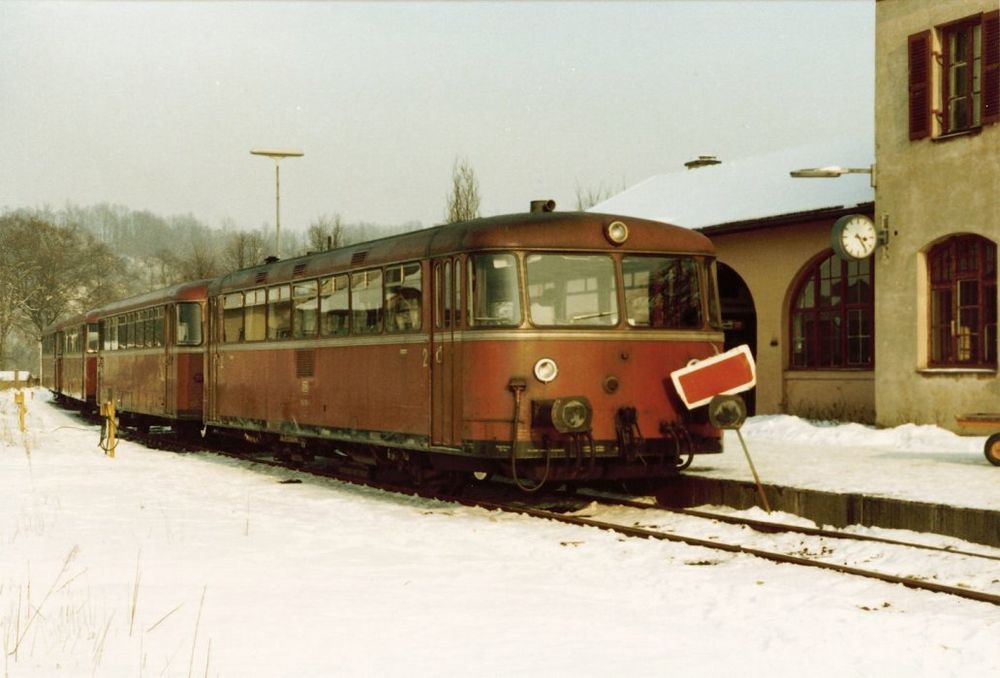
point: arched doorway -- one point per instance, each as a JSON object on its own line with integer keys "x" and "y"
{"x": 739, "y": 318}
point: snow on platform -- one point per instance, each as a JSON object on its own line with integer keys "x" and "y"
{"x": 916, "y": 463}
{"x": 162, "y": 564}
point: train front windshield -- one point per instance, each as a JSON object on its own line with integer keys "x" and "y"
{"x": 662, "y": 292}
{"x": 581, "y": 290}
{"x": 572, "y": 289}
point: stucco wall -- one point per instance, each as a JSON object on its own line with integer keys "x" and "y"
{"x": 770, "y": 261}
{"x": 926, "y": 190}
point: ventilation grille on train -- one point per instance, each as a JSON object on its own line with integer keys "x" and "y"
{"x": 305, "y": 364}
{"x": 299, "y": 270}
{"x": 261, "y": 277}
{"x": 359, "y": 258}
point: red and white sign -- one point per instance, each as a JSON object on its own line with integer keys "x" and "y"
{"x": 724, "y": 374}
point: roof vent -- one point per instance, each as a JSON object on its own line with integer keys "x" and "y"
{"x": 702, "y": 161}
{"x": 543, "y": 205}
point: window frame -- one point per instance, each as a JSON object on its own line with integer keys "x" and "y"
{"x": 562, "y": 287}
{"x": 970, "y": 28}
{"x": 477, "y": 295}
{"x": 653, "y": 316}
{"x": 949, "y": 284}
{"x": 812, "y": 275}
{"x": 403, "y": 298}
{"x": 930, "y": 73}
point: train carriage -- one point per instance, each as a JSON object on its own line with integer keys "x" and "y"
{"x": 535, "y": 346}
{"x": 152, "y": 356}
{"x": 69, "y": 359}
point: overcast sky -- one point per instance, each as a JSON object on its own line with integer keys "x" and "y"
{"x": 156, "y": 105}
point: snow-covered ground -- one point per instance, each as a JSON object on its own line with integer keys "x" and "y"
{"x": 920, "y": 463}
{"x": 154, "y": 563}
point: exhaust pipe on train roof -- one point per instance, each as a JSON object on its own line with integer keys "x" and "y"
{"x": 543, "y": 206}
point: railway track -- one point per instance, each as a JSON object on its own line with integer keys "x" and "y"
{"x": 569, "y": 509}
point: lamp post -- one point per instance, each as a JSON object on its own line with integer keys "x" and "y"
{"x": 277, "y": 155}
{"x": 832, "y": 171}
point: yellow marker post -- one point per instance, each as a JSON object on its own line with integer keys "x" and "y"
{"x": 21, "y": 410}
{"x": 109, "y": 433}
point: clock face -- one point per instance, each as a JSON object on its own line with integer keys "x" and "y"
{"x": 854, "y": 236}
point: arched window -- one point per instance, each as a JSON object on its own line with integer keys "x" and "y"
{"x": 833, "y": 316}
{"x": 962, "y": 271}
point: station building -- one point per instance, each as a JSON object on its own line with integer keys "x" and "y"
{"x": 908, "y": 334}
{"x": 937, "y": 147}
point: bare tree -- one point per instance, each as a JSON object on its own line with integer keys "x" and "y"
{"x": 585, "y": 199}
{"x": 57, "y": 271}
{"x": 326, "y": 233}
{"x": 201, "y": 262}
{"x": 242, "y": 249}
{"x": 463, "y": 201}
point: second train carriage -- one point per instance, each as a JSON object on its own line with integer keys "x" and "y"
{"x": 151, "y": 361}
{"x": 536, "y": 346}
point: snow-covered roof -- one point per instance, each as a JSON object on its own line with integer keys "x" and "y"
{"x": 751, "y": 188}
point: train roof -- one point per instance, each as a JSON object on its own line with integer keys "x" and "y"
{"x": 69, "y": 321}
{"x": 579, "y": 231}
{"x": 187, "y": 291}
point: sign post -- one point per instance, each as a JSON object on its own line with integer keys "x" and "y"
{"x": 715, "y": 382}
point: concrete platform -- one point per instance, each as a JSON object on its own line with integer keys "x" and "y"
{"x": 919, "y": 478}
{"x": 981, "y": 526}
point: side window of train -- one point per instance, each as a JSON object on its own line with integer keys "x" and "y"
{"x": 305, "y": 305}
{"x": 158, "y": 338}
{"x": 279, "y": 312}
{"x": 403, "y": 297}
{"x": 124, "y": 325}
{"x": 255, "y": 314}
{"x": 662, "y": 292}
{"x": 232, "y": 318}
{"x": 142, "y": 319}
{"x": 92, "y": 338}
{"x": 334, "y": 306}
{"x": 366, "y": 302}
{"x": 189, "y": 323}
{"x": 109, "y": 334}
{"x": 443, "y": 295}
{"x": 494, "y": 298}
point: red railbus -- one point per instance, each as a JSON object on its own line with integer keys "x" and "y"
{"x": 535, "y": 346}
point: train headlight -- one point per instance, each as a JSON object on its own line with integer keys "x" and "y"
{"x": 616, "y": 232}
{"x": 546, "y": 370}
{"x": 572, "y": 414}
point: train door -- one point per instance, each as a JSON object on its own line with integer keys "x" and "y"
{"x": 445, "y": 357}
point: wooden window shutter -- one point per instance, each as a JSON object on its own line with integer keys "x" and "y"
{"x": 919, "y": 50}
{"x": 991, "y": 68}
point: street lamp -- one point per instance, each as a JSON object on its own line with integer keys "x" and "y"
{"x": 277, "y": 155}
{"x": 832, "y": 171}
